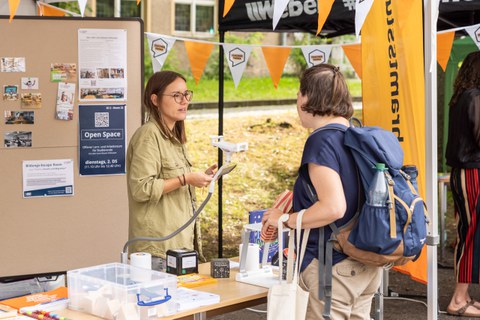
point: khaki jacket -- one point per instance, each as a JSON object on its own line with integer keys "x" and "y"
{"x": 151, "y": 158}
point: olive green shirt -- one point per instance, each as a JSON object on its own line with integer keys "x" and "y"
{"x": 151, "y": 159}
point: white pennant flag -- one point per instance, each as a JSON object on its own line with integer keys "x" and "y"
{"x": 278, "y": 9}
{"x": 316, "y": 54}
{"x": 82, "y": 4}
{"x": 237, "y": 58}
{"x": 474, "y": 32}
{"x": 159, "y": 48}
{"x": 362, "y": 8}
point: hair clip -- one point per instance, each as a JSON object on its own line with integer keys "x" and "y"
{"x": 336, "y": 69}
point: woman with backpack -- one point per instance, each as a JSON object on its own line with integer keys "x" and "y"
{"x": 324, "y": 102}
{"x": 463, "y": 155}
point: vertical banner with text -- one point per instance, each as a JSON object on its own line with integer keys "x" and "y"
{"x": 102, "y": 139}
{"x": 393, "y": 86}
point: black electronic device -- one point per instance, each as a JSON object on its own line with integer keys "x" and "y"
{"x": 182, "y": 261}
{"x": 220, "y": 268}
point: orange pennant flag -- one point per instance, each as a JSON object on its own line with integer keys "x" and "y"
{"x": 138, "y": 2}
{"x": 227, "y": 5}
{"x": 13, "y": 4}
{"x": 444, "y": 47}
{"x": 276, "y": 58}
{"x": 324, "y": 8}
{"x": 354, "y": 55}
{"x": 198, "y": 54}
{"x": 49, "y": 11}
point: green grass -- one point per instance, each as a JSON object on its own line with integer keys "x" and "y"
{"x": 260, "y": 88}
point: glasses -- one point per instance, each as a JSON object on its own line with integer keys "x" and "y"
{"x": 178, "y": 96}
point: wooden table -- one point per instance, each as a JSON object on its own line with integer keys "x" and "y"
{"x": 234, "y": 296}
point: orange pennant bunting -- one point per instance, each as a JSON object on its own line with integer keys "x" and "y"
{"x": 276, "y": 58}
{"x": 444, "y": 47}
{"x": 13, "y": 4}
{"x": 354, "y": 55}
{"x": 138, "y": 2}
{"x": 49, "y": 11}
{"x": 198, "y": 54}
{"x": 324, "y": 8}
{"x": 227, "y": 5}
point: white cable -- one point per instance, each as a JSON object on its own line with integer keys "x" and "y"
{"x": 406, "y": 299}
{"x": 255, "y": 310}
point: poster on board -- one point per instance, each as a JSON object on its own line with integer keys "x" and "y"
{"x": 102, "y": 139}
{"x": 47, "y": 178}
{"x": 102, "y": 64}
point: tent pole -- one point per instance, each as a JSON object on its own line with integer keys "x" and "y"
{"x": 220, "y": 133}
{"x": 430, "y": 30}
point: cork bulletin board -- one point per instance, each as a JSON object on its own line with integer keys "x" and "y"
{"x": 43, "y": 235}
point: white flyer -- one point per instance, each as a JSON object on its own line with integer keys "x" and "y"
{"x": 102, "y": 64}
{"x": 47, "y": 178}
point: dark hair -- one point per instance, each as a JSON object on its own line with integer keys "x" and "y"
{"x": 157, "y": 84}
{"x": 327, "y": 92}
{"x": 468, "y": 76}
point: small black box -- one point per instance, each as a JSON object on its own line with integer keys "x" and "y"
{"x": 220, "y": 268}
{"x": 182, "y": 261}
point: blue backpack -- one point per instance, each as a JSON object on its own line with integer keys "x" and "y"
{"x": 381, "y": 236}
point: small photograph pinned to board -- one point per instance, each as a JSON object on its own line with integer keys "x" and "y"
{"x": 19, "y": 117}
{"x": 65, "y": 99}
{"x": 63, "y": 72}
{"x": 17, "y": 139}
{"x": 31, "y": 100}
{"x": 30, "y": 83}
{"x": 12, "y": 64}
{"x": 10, "y": 92}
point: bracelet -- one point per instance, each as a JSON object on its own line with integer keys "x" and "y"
{"x": 180, "y": 180}
{"x": 184, "y": 180}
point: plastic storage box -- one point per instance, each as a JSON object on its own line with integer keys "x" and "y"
{"x": 121, "y": 292}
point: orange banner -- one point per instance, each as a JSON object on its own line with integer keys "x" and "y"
{"x": 324, "y": 8}
{"x": 49, "y": 11}
{"x": 13, "y": 5}
{"x": 354, "y": 55}
{"x": 198, "y": 54}
{"x": 227, "y": 5}
{"x": 276, "y": 58}
{"x": 393, "y": 86}
{"x": 444, "y": 47}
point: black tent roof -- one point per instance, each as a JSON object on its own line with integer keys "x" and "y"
{"x": 301, "y": 16}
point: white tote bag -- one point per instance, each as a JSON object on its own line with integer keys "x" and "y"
{"x": 287, "y": 300}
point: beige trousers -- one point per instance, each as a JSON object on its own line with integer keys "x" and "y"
{"x": 353, "y": 287}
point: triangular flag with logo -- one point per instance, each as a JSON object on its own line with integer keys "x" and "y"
{"x": 49, "y": 11}
{"x": 354, "y": 55}
{"x": 159, "y": 48}
{"x": 444, "y": 47}
{"x": 474, "y": 32}
{"x": 316, "y": 54}
{"x": 324, "y": 8}
{"x": 82, "y": 4}
{"x": 237, "y": 58}
{"x": 227, "y": 5}
{"x": 13, "y": 5}
{"x": 362, "y": 7}
{"x": 278, "y": 9}
{"x": 276, "y": 58}
{"x": 198, "y": 54}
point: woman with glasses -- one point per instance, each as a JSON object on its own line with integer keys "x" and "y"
{"x": 160, "y": 181}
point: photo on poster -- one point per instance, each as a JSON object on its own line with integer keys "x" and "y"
{"x": 65, "y": 100}
{"x": 12, "y": 64}
{"x": 87, "y": 73}
{"x": 63, "y": 72}
{"x": 117, "y": 73}
{"x": 31, "y": 100}
{"x": 102, "y": 93}
{"x": 103, "y": 73}
{"x": 17, "y": 139}
{"x": 29, "y": 83}
{"x": 19, "y": 117}
{"x": 10, "y": 92}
